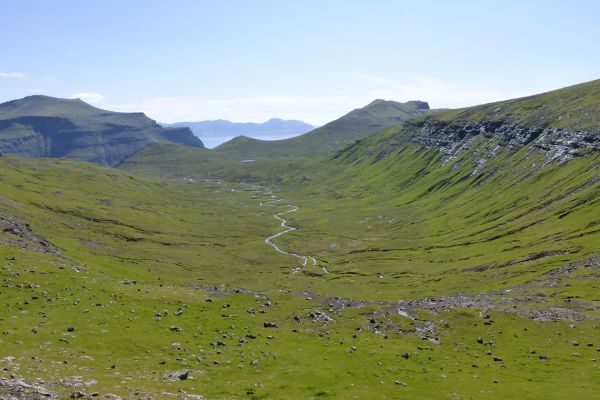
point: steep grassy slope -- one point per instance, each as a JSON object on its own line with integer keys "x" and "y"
{"x": 333, "y": 136}
{"x": 501, "y": 198}
{"x": 576, "y": 108}
{"x": 42, "y": 126}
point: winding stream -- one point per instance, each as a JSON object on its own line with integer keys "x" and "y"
{"x": 287, "y": 228}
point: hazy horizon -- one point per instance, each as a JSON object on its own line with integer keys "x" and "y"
{"x": 304, "y": 61}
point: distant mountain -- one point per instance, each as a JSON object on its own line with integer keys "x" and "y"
{"x": 43, "y": 126}
{"x": 333, "y": 136}
{"x": 216, "y": 132}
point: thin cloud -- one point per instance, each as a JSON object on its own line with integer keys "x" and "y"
{"x": 91, "y": 98}
{"x": 12, "y": 75}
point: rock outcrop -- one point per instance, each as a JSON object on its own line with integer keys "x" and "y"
{"x": 453, "y": 138}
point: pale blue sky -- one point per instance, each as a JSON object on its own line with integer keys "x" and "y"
{"x": 309, "y": 60}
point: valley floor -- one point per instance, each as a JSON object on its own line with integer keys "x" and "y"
{"x": 116, "y": 286}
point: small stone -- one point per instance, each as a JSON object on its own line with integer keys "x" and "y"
{"x": 183, "y": 376}
{"x": 269, "y": 324}
{"x": 543, "y": 357}
{"x": 405, "y": 355}
{"x": 175, "y": 329}
{"x": 399, "y": 383}
{"x": 497, "y": 359}
{"x": 480, "y": 340}
{"x": 575, "y": 343}
{"x": 70, "y": 329}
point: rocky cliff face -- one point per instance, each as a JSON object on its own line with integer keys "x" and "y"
{"x": 40, "y": 126}
{"x": 453, "y": 138}
{"x": 560, "y": 125}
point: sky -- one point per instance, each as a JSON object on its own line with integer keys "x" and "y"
{"x": 307, "y": 60}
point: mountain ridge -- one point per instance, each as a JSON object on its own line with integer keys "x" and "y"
{"x": 44, "y": 126}
{"x": 333, "y": 136}
{"x": 562, "y": 124}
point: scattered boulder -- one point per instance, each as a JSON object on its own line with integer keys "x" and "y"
{"x": 184, "y": 375}
{"x": 177, "y": 376}
{"x": 16, "y": 388}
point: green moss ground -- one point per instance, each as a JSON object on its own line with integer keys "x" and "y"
{"x": 427, "y": 229}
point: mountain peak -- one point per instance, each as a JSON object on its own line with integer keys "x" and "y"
{"x": 375, "y": 102}
{"x": 416, "y": 104}
{"x": 419, "y": 105}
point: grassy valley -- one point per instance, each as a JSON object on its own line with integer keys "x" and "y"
{"x": 441, "y": 271}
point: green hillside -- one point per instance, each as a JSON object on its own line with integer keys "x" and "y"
{"x": 576, "y": 108}
{"x": 42, "y": 126}
{"x": 333, "y": 136}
